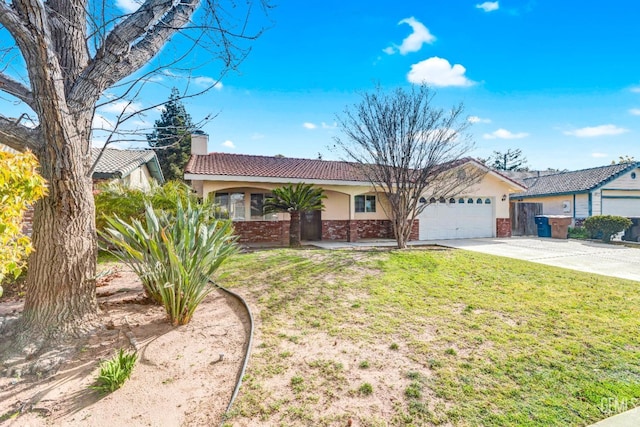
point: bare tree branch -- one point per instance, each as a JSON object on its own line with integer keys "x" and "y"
{"x": 17, "y": 136}
{"x": 17, "y": 89}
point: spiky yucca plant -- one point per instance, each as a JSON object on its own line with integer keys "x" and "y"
{"x": 174, "y": 255}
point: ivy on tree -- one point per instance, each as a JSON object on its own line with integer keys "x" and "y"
{"x": 171, "y": 137}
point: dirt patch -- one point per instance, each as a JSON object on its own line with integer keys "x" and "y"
{"x": 180, "y": 378}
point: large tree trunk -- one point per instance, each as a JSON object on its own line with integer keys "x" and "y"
{"x": 61, "y": 295}
{"x": 294, "y": 229}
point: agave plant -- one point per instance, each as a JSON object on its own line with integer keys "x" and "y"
{"x": 174, "y": 255}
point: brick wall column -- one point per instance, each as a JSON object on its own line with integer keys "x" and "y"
{"x": 503, "y": 227}
{"x": 352, "y": 231}
{"x": 284, "y": 233}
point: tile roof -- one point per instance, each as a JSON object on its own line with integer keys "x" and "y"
{"x": 116, "y": 163}
{"x": 574, "y": 181}
{"x": 272, "y": 167}
{"x": 243, "y": 165}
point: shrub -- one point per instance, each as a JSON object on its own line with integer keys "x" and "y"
{"x": 115, "y": 199}
{"x": 606, "y": 225}
{"x": 579, "y": 233}
{"x": 173, "y": 254}
{"x": 115, "y": 371}
{"x": 20, "y": 186}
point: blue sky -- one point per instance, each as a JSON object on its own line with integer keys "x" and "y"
{"x": 558, "y": 79}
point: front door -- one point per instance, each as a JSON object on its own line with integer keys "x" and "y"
{"x": 311, "y": 225}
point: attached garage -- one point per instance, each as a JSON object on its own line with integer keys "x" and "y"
{"x": 458, "y": 218}
{"x": 620, "y": 205}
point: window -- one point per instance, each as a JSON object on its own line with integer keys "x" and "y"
{"x": 441, "y": 200}
{"x": 633, "y": 175}
{"x": 232, "y": 204}
{"x": 257, "y": 203}
{"x": 479, "y": 201}
{"x": 365, "y": 203}
{"x": 460, "y": 200}
{"x": 452, "y": 200}
{"x": 487, "y": 201}
{"x": 432, "y": 200}
{"x": 470, "y": 201}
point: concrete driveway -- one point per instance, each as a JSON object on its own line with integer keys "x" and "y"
{"x": 599, "y": 258}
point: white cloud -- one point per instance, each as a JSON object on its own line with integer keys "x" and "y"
{"x": 635, "y": 111}
{"x": 488, "y": 6}
{"x": 228, "y": 144}
{"x": 599, "y": 155}
{"x": 504, "y": 134}
{"x": 309, "y": 125}
{"x": 635, "y": 89}
{"x": 438, "y": 72}
{"x": 593, "y": 131}
{"x": 476, "y": 119}
{"x": 118, "y": 107}
{"x": 128, "y": 6}
{"x": 101, "y": 123}
{"x": 333, "y": 125}
{"x": 208, "y": 81}
{"x": 255, "y": 136}
{"x": 415, "y": 40}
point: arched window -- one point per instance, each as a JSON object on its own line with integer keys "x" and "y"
{"x": 487, "y": 201}
{"x": 479, "y": 201}
{"x": 442, "y": 200}
{"x": 461, "y": 200}
{"x": 452, "y": 200}
{"x": 470, "y": 201}
{"x": 432, "y": 200}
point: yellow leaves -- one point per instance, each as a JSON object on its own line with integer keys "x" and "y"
{"x": 20, "y": 186}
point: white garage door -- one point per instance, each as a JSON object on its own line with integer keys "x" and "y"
{"x": 458, "y": 218}
{"x": 622, "y": 207}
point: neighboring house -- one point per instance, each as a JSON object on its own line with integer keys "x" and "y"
{"x": 132, "y": 168}
{"x": 605, "y": 190}
{"x": 353, "y": 210}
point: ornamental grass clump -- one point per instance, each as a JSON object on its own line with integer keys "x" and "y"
{"x": 174, "y": 255}
{"x": 115, "y": 371}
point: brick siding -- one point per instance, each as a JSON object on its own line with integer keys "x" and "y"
{"x": 262, "y": 231}
{"x": 503, "y": 227}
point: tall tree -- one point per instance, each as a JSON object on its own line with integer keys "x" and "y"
{"x": 407, "y": 147}
{"x": 171, "y": 137}
{"x": 73, "y": 51}
{"x": 510, "y": 160}
{"x": 294, "y": 200}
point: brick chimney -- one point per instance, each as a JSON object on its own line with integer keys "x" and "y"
{"x": 199, "y": 141}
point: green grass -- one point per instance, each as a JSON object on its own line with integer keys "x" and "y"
{"x": 512, "y": 343}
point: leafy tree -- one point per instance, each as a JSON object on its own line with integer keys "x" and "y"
{"x": 624, "y": 159}
{"x": 61, "y": 60}
{"x": 294, "y": 200}
{"x": 510, "y": 160}
{"x": 20, "y": 186}
{"x": 407, "y": 147}
{"x": 171, "y": 137}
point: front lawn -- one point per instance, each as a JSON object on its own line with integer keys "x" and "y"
{"x": 427, "y": 337}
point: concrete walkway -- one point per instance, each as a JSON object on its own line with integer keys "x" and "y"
{"x": 599, "y": 258}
